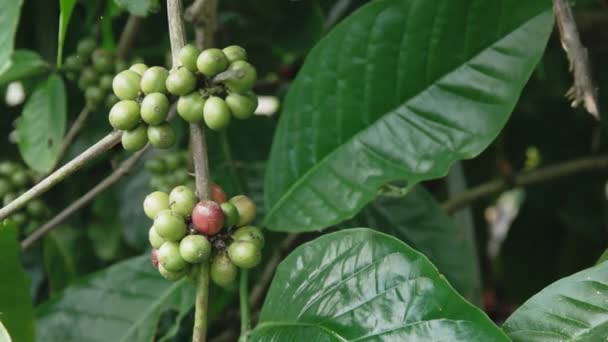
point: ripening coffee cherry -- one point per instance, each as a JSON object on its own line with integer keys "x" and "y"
{"x": 244, "y": 254}
{"x": 161, "y": 136}
{"x": 211, "y": 62}
{"x": 207, "y": 218}
{"x": 249, "y": 234}
{"x": 20, "y": 179}
{"x": 180, "y": 82}
{"x": 190, "y": 107}
{"x": 170, "y": 225}
{"x": 126, "y": 85}
{"x": 231, "y": 214}
{"x": 85, "y": 48}
{"x": 187, "y": 57}
{"x": 170, "y": 275}
{"x": 216, "y": 113}
{"x": 154, "y": 257}
{"x": 36, "y": 209}
{"x": 195, "y": 248}
{"x": 223, "y": 271}
{"x": 5, "y": 187}
{"x": 135, "y": 139}
{"x": 217, "y": 193}
{"x": 88, "y": 77}
{"x": 182, "y": 200}
{"x": 156, "y": 202}
{"x": 105, "y": 82}
{"x": 102, "y": 60}
{"x": 153, "y": 80}
{"x": 154, "y": 108}
{"x": 111, "y": 100}
{"x": 139, "y": 68}
{"x": 124, "y": 115}
{"x": 242, "y": 106}
{"x": 93, "y": 96}
{"x": 72, "y": 63}
{"x": 170, "y": 258}
{"x": 155, "y": 240}
{"x": 246, "y": 81}
{"x": 235, "y": 53}
{"x": 246, "y": 208}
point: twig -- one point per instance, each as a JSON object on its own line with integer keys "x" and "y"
{"x": 202, "y": 15}
{"x": 127, "y": 38}
{"x": 583, "y": 90}
{"x": 72, "y": 133}
{"x": 228, "y": 75}
{"x": 54, "y": 178}
{"x": 545, "y": 174}
{"x": 244, "y": 305}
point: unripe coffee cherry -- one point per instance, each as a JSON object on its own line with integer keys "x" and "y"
{"x": 244, "y": 83}
{"x": 120, "y": 65}
{"x": 217, "y": 193}
{"x": 73, "y": 63}
{"x": 170, "y": 258}
{"x": 135, "y": 139}
{"x": 88, "y": 77}
{"x": 102, "y": 60}
{"x": 155, "y": 240}
{"x": 171, "y": 276}
{"x": 249, "y": 234}
{"x": 180, "y": 82}
{"x": 172, "y": 161}
{"x": 111, "y": 100}
{"x": 20, "y": 179}
{"x": 7, "y": 168}
{"x": 154, "y": 108}
{"x": 85, "y": 48}
{"x": 187, "y": 57}
{"x": 182, "y": 200}
{"x": 105, "y": 82}
{"x": 5, "y": 187}
{"x": 19, "y": 218}
{"x": 8, "y": 198}
{"x": 211, "y": 62}
{"x": 153, "y": 80}
{"x": 223, "y": 271}
{"x": 242, "y": 106}
{"x": 139, "y": 68}
{"x": 216, "y": 113}
{"x": 156, "y": 202}
{"x": 154, "y": 257}
{"x": 244, "y": 254}
{"x": 195, "y": 248}
{"x": 94, "y": 97}
{"x": 36, "y": 209}
{"x": 246, "y": 209}
{"x": 207, "y": 218}
{"x": 126, "y": 85}
{"x": 190, "y": 107}
{"x": 161, "y": 136}
{"x": 124, "y": 115}
{"x": 170, "y": 225}
{"x": 155, "y": 166}
{"x": 235, "y": 53}
{"x": 231, "y": 214}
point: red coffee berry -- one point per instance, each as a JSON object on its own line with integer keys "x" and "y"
{"x": 217, "y": 193}
{"x": 207, "y": 217}
{"x": 154, "y": 257}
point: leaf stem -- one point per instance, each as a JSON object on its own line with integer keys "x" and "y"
{"x": 244, "y": 301}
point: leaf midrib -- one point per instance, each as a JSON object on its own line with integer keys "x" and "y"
{"x": 271, "y": 324}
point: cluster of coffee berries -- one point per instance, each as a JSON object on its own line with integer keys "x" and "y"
{"x": 94, "y": 67}
{"x": 169, "y": 170}
{"x": 15, "y": 179}
{"x": 213, "y": 85}
{"x": 187, "y": 231}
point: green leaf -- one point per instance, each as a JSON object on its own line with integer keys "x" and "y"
{"x": 65, "y": 13}
{"x": 4, "y": 335}
{"x": 121, "y": 303}
{"x": 418, "y": 220}
{"x": 574, "y": 308}
{"x": 361, "y": 285}
{"x": 42, "y": 124}
{"x": 25, "y": 64}
{"x": 603, "y": 257}
{"x": 16, "y": 312}
{"x": 138, "y": 7}
{"x": 9, "y": 19}
{"x": 397, "y": 91}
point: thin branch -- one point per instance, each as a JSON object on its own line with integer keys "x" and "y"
{"x": 54, "y": 178}
{"x": 71, "y": 135}
{"x": 128, "y": 36}
{"x": 202, "y": 15}
{"x": 200, "y": 161}
{"x": 583, "y": 90}
{"x": 545, "y": 174}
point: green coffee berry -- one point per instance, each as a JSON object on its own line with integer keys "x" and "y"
{"x": 172, "y": 161}
{"x": 126, "y": 85}
{"x": 182, "y": 200}
{"x": 85, "y": 47}
{"x": 246, "y": 81}
{"x": 94, "y": 96}
{"x": 223, "y": 271}
{"x": 139, "y": 68}
{"x": 155, "y": 240}
{"x": 195, "y": 248}
{"x": 190, "y": 107}
{"x": 235, "y": 53}
{"x": 155, "y": 166}
{"x": 170, "y": 258}
{"x": 153, "y": 80}
{"x": 231, "y": 214}
{"x": 5, "y": 187}
{"x": 244, "y": 254}
{"x": 102, "y": 60}
{"x": 171, "y": 276}
{"x": 135, "y": 139}
{"x": 124, "y": 115}
{"x": 20, "y": 179}
{"x": 216, "y": 113}
{"x": 7, "y": 168}
{"x": 154, "y": 108}
{"x": 19, "y": 218}
{"x": 180, "y": 82}
{"x": 187, "y": 57}
{"x": 211, "y": 62}
{"x": 88, "y": 77}
{"x": 8, "y": 198}
{"x": 246, "y": 208}
{"x": 36, "y": 208}
{"x": 73, "y": 63}
{"x": 242, "y": 106}
{"x": 111, "y": 100}
{"x": 170, "y": 225}
{"x": 181, "y": 176}
{"x": 249, "y": 234}
{"x": 120, "y": 65}
{"x": 105, "y": 82}
{"x": 161, "y": 136}
{"x": 156, "y": 202}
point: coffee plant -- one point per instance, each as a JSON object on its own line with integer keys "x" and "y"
{"x": 224, "y": 170}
